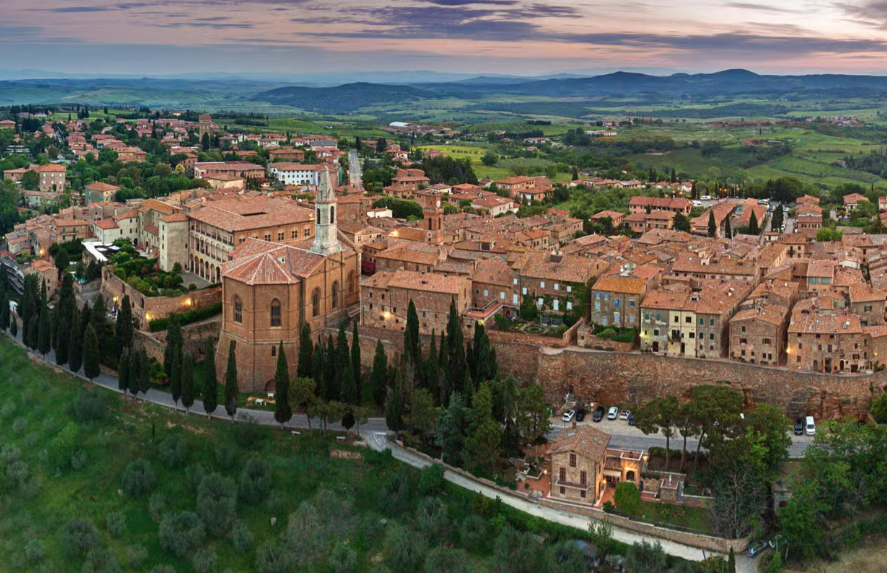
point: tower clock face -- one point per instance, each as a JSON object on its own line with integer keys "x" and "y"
{"x": 438, "y": 202}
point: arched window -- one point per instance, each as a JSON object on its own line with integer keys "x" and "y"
{"x": 336, "y": 294}
{"x": 350, "y": 282}
{"x": 238, "y": 310}
{"x": 275, "y": 313}
{"x": 315, "y": 303}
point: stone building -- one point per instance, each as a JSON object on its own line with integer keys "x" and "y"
{"x": 757, "y": 334}
{"x": 578, "y": 458}
{"x": 827, "y": 342}
{"x": 100, "y": 193}
{"x": 616, "y": 300}
{"x": 269, "y": 290}
{"x": 385, "y": 298}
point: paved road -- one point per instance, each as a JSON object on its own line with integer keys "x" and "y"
{"x": 355, "y": 169}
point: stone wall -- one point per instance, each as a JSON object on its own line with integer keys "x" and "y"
{"x": 195, "y": 336}
{"x": 148, "y": 308}
{"x": 634, "y": 377}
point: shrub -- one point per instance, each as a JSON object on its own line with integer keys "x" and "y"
{"x": 173, "y": 450}
{"x": 249, "y": 434}
{"x": 431, "y": 480}
{"x": 432, "y": 520}
{"x": 187, "y": 317}
{"x": 78, "y": 460}
{"x": 273, "y": 558}
{"x": 879, "y": 409}
{"x": 115, "y": 523}
{"x": 100, "y": 560}
{"x": 205, "y": 560}
{"x": 406, "y": 550}
{"x": 217, "y": 503}
{"x": 163, "y": 569}
{"x": 395, "y": 495}
{"x": 627, "y": 497}
{"x": 181, "y": 533}
{"x": 343, "y": 559}
{"x": 35, "y": 551}
{"x": 242, "y": 538}
{"x": 449, "y": 560}
{"x": 609, "y": 507}
{"x": 139, "y": 478}
{"x": 255, "y": 481}
{"x": 80, "y": 536}
{"x": 226, "y": 456}
{"x": 473, "y": 533}
{"x": 157, "y": 505}
{"x": 90, "y": 406}
{"x": 195, "y": 474}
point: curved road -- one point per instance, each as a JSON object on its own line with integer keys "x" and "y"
{"x": 375, "y": 434}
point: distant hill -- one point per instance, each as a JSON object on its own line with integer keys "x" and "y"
{"x": 343, "y": 99}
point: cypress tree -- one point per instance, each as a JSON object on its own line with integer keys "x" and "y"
{"x": 329, "y": 374}
{"x": 43, "y": 331}
{"x": 231, "y": 390}
{"x": 33, "y": 331}
{"x": 135, "y": 372}
{"x": 13, "y": 325}
{"x": 394, "y": 405}
{"x": 175, "y": 380}
{"x": 484, "y": 356}
{"x": 283, "y": 413}
{"x": 145, "y": 372}
{"x": 731, "y": 562}
{"x": 355, "y": 363}
{"x": 728, "y": 229}
{"x": 210, "y": 383}
{"x": 188, "y": 381}
{"x": 432, "y": 370}
{"x": 75, "y": 352}
{"x": 304, "y": 368}
{"x": 123, "y": 371}
{"x": 379, "y": 377}
{"x": 91, "y": 354}
{"x": 443, "y": 365}
{"x": 124, "y": 328}
{"x": 4, "y": 311}
{"x": 753, "y": 228}
{"x": 99, "y": 322}
{"x": 458, "y": 367}
{"x": 318, "y": 368}
{"x": 174, "y": 342}
{"x": 712, "y": 227}
{"x": 85, "y": 317}
{"x": 343, "y": 357}
{"x": 411, "y": 343}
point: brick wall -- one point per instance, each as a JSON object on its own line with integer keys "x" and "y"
{"x": 194, "y": 335}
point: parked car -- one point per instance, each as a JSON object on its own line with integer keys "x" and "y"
{"x": 706, "y": 197}
{"x": 569, "y": 415}
{"x": 810, "y": 426}
{"x": 697, "y": 203}
{"x": 598, "y": 414}
{"x": 613, "y": 413}
{"x": 799, "y": 427}
{"x": 756, "y": 548}
{"x": 580, "y": 415}
{"x": 631, "y": 419}
{"x": 624, "y": 415}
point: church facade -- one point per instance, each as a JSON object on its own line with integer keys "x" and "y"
{"x": 270, "y": 289}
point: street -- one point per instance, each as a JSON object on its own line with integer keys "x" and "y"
{"x": 355, "y": 169}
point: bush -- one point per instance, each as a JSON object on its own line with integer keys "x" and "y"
{"x": 181, "y": 533}
{"x": 115, "y": 523}
{"x": 226, "y": 456}
{"x": 157, "y": 505}
{"x": 343, "y": 559}
{"x": 35, "y": 551}
{"x": 195, "y": 474}
{"x": 242, "y": 538}
{"x": 273, "y": 558}
{"x": 187, "y": 317}
{"x": 90, "y": 406}
{"x": 100, "y": 560}
{"x": 163, "y": 569}
{"x": 80, "y": 536}
{"x": 139, "y": 478}
{"x": 473, "y": 533}
{"x": 406, "y": 550}
{"x": 879, "y": 409}
{"x": 432, "y": 520}
{"x": 173, "y": 450}
{"x": 249, "y": 434}
{"x": 255, "y": 481}
{"x": 627, "y": 497}
{"x": 395, "y": 495}
{"x": 217, "y": 504}
{"x": 205, "y": 560}
{"x": 444, "y": 559}
{"x": 431, "y": 480}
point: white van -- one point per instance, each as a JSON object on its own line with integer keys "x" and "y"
{"x": 810, "y": 426}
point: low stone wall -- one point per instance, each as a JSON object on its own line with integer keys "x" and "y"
{"x": 707, "y": 542}
{"x": 586, "y": 339}
{"x": 148, "y": 308}
{"x": 568, "y": 337}
{"x": 194, "y": 335}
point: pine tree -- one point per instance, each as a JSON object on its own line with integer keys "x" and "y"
{"x": 123, "y": 371}
{"x": 43, "y": 332}
{"x": 188, "y": 381}
{"x": 145, "y": 372}
{"x": 753, "y": 228}
{"x": 283, "y": 413}
{"x": 210, "y": 383}
{"x": 75, "y": 352}
{"x": 379, "y": 377}
{"x": 175, "y": 379}
{"x": 355, "y": 363}
{"x": 304, "y": 368}
{"x": 712, "y": 227}
{"x": 91, "y": 354}
{"x": 124, "y": 328}
{"x": 231, "y": 389}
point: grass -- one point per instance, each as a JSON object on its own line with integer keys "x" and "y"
{"x": 695, "y": 518}
{"x": 40, "y": 428}
{"x": 869, "y": 557}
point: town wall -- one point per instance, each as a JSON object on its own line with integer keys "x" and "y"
{"x": 194, "y": 336}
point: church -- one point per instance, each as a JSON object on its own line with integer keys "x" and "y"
{"x": 269, "y": 289}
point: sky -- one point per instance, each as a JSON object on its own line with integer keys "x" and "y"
{"x": 521, "y": 37}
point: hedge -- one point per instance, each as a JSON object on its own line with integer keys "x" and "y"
{"x": 188, "y": 317}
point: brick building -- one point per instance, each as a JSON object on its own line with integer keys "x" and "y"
{"x": 99, "y": 192}
{"x": 578, "y": 457}
{"x": 616, "y": 300}
{"x": 826, "y": 342}
{"x": 385, "y": 298}
{"x": 758, "y": 334}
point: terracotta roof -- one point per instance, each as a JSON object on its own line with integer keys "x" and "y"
{"x": 586, "y": 441}
{"x": 262, "y": 262}
{"x": 175, "y": 218}
{"x": 769, "y": 313}
{"x": 494, "y": 271}
{"x": 51, "y": 167}
{"x": 620, "y": 284}
{"x": 242, "y": 213}
{"x": 864, "y": 293}
{"x": 107, "y": 224}
{"x": 566, "y": 268}
{"x": 817, "y": 323}
{"x": 155, "y": 205}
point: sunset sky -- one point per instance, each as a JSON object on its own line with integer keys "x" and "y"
{"x": 496, "y": 36}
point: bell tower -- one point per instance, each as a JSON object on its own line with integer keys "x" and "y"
{"x": 433, "y": 219}
{"x": 326, "y": 233}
